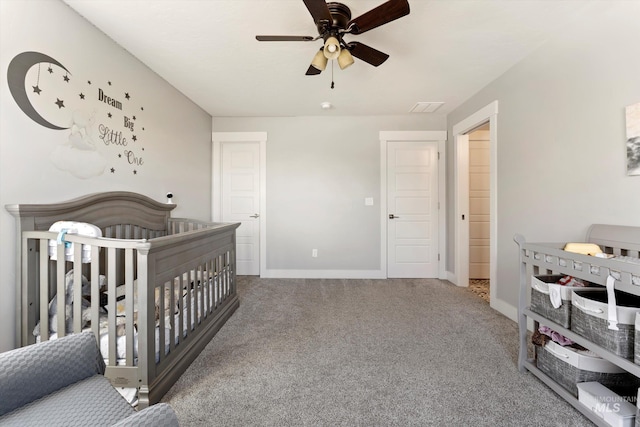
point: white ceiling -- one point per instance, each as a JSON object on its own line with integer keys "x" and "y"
{"x": 444, "y": 50}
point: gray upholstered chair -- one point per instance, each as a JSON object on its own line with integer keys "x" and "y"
{"x": 61, "y": 383}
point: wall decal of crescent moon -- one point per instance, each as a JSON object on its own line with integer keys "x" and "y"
{"x": 16, "y": 73}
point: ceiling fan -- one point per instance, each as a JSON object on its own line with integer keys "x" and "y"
{"x": 333, "y": 21}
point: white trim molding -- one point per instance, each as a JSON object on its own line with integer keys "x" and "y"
{"x": 489, "y": 114}
{"x": 322, "y": 274}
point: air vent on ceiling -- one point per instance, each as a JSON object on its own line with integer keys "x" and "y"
{"x": 426, "y": 107}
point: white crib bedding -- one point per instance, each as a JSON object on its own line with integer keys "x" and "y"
{"x": 121, "y": 341}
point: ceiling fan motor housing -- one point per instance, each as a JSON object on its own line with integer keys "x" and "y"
{"x": 340, "y": 14}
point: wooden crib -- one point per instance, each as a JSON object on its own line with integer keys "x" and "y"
{"x": 161, "y": 287}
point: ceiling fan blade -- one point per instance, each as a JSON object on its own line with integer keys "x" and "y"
{"x": 318, "y": 10}
{"x": 386, "y": 12}
{"x": 367, "y": 53}
{"x": 312, "y": 71}
{"x": 285, "y": 38}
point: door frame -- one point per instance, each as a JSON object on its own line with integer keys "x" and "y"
{"x": 219, "y": 138}
{"x": 439, "y": 137}
{"x": 489, "y": 113}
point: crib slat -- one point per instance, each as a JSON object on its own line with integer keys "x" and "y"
{"x": 225, "y": 277}
{"x": 161, "y": 325}
{"x": 60, "y": 292}
{"x": 95, "y": 292}
{"x": 181, "y": 305}
{"x": 189, "y": 301}
{"x": 77, "y": 288}
{"x": 202, "y": 311}
{"x": 44, "y": 290}
{"x": 218, "y": 276}
{"x": 129, "y": 305}
{"x": 209, "y": 285}
{"x": 172, "y": 315}
{"x": 111, "y": 304}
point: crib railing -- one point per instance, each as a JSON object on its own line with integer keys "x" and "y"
{"x": 177, "y": 289}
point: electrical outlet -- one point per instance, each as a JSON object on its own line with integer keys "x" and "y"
{"x": 314, "y": 253}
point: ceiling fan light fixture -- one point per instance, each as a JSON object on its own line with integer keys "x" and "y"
{"x": 331, "y": 48}
{"x": 345, "y": 59}
{"x": 319, "y": 61}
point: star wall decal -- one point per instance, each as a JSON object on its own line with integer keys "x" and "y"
{"x": 64, "y": 90}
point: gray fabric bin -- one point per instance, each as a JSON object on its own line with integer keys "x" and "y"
{"x": 541, "y": 304}
{"x": 568, "y": 368}
{"x": 589, "y": 319}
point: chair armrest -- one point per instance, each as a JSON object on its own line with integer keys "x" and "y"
{"x": 159, "y": 415}
{"x": 31, "y": 372}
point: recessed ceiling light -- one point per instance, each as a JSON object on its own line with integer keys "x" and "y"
{"x": 326, "y": 105}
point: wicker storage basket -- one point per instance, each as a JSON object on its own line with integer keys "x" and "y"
{"x": 569, "y": 367}
{"x": 589, "y": 319}
{"x": 541, "y": 304}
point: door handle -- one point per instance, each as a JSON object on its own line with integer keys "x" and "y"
{"x": 392, "y": 216}
{"x": 254, "y": 216}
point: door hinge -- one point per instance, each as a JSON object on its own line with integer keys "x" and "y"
{"x": 438, "y": 257}
{"x": 438, "y": 155}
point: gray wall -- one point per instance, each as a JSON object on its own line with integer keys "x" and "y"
{"x": 319, "y": 171}
{"x": 175, "y": 144}
{"x": 561, "y": 138}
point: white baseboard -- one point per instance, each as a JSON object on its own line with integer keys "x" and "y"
{"x": 323, "y": 274}
{"x": 451, "y": 277}
{"x": 505, "y": 308}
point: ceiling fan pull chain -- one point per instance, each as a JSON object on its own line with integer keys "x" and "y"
{"x": 332, "y": 74}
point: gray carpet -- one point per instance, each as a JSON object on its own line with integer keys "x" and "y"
{"x": 363, "y": 353}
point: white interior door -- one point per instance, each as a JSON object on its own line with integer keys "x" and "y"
{"x": 412, "y": 209}
{"x": 241, "y": 201}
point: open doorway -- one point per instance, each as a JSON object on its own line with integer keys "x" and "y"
{"x": 479, "y": 211}
{"x": 486, "y": 119}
